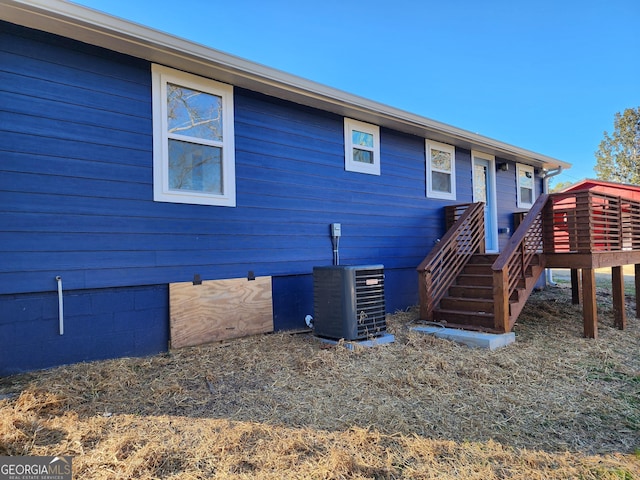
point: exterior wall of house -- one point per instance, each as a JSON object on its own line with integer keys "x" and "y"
{"x": 98, "y": 324}
{"x": 76, "y": 201}
{"x": 506, "y": 192}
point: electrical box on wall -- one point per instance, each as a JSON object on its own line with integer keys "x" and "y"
{"x": 336, "y": 230}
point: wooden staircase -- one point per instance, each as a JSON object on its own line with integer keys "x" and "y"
{"x": 463, "y": 286}
{"x": 469, "y": 301}
{"x": 458, "y": 283}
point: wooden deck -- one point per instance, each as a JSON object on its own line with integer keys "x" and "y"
{"x": 581, "y": 230}
{"x": 586, "y": 230}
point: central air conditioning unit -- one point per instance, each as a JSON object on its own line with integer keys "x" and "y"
{"x": 348, "y": 302}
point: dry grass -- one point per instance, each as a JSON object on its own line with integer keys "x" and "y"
{"x": 552, "y": 405}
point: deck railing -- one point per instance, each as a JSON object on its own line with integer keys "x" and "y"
{"x": 583, "y": 223}
{"x": 510, "y": 268}
{"x": 445, "y": 262}
{"x": 574, "y": 222}
{"x": 591, "y": 222}
{"x": 453, "y": 212}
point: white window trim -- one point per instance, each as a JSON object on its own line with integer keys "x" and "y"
{"x": 160, "y": 76}
{"x": 445, "y": 148}
{"x": 525, "y": 168}
{"x": 350, "y": 164}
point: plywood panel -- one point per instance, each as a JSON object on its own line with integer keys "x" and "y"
{"x": 219, "y": 310}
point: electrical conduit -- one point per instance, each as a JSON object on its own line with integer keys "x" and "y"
{"x": 545, "y": 189}
{"x": 60, "y": 306}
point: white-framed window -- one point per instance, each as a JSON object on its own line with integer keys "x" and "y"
{"x": 441, "y": 170}
{"x": 525, "y": 179}
{"x": 361, "y": 147}
{"x": 193, "y": 139}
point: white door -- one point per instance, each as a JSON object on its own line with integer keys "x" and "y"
{"x": 484, "y": 190}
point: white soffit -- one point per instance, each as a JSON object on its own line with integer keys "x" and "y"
{"x": 97, "y": 28}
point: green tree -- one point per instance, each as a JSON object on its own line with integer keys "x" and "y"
{"x": 618, "y": 156}
{"x": 558, "y": 187}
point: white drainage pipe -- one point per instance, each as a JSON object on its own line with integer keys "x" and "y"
{"x": 545, "y": 189}
{"x": 60, "y": 306}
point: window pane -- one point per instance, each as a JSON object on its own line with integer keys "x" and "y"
{"x": 440, "y": 160}
{"x": 441, "y": 182}
{"x": 480, "y": 183}
{"x": 193, "y": 167}
{"x": 362, "y": 156}
{"x": 526, "y": 195}
{"x": 525, "y": 177}
{"x": 193, "y": 113}
{"x": 361, "y": 138}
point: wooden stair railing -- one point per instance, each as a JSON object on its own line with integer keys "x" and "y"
{"x": 444, "y": 263}
{"x": 511, "y": 266}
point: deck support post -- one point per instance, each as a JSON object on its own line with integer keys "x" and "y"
{"x": 617, "y": 287}
{"x": 589, "y": 307}
{"x": 501, "y": 300}
{"x": 576, "y": 287}
{"x": 637, "y": 283}
{"x": 424, "y": 287}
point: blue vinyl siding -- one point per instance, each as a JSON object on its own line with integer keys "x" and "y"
{"x": 76, "y": 196}
{"x": 464, "y": 178}
{"x": 76, "y": 200}
{"x": 506, "y": 195}
{"x": 76, "y": 183}
{"x": 98, "y": 324}
{"x": 506, "y": 191}
{"x": 292, "y": 301}
{"x": 76, "y": 143}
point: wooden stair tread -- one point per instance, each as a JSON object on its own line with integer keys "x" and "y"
{"x": 464, "y": 312}
{"x": 474, "y": 280}
{"x": 528, "y": 273}
{"x": 477, "y": 270}
{"x": 480, "y": 258}
{"x": 469, "y": 301}
{"x": 467, "y": 304}
{"x": 474, "y": 299}
{"x": 488, "y": 289}
{"x": 462, "y": 317}
{"x": 489, "y": 259}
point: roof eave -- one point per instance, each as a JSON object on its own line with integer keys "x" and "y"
{"x": 97, "y": 28}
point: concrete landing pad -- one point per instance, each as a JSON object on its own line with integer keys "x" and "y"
{"x": 351, "y": 344}
{"x": 472, "y": 339}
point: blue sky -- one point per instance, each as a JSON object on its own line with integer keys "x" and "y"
{"x": 545, "y": 75}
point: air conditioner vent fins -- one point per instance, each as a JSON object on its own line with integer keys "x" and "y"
{"x": 349, "y": 301}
